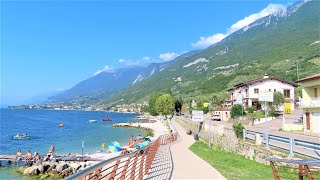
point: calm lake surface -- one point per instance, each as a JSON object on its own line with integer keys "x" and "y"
{"x": 41, "y": 126}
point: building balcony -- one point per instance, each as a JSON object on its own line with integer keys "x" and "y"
{"x": 310, "y": 103}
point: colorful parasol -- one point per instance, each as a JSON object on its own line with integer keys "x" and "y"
{"x": 114, "y": 146}
{"x": 130, "y": 146}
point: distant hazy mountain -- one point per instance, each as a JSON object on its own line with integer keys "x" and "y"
{"x": 274, "y": 44}
{"x": 107, "y": 83}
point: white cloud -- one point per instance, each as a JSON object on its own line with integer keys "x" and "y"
{"x": 59, "y": 89}
{"x": 168, "y": 56}
{"x": 105, "y": 69}
{"x": 129, "y": 62}
{"x": 207, "y": 41}
{"x": 146, "y": 58}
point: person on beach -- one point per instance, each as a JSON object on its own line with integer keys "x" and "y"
{"x": 28, "y": 157}
{"x": 36, "y": 157}
{"x": 18, "y": 135}
{"x": 51, "y": 149}
{"x": 18, "y": 156}
{"x": 124, "y": 151}
{"x": 131, "y": 140}
{"x": 49, "y": 156}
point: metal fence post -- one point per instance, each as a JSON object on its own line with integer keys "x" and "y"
{"x": 267, "y": 140}
{"x": 244, "y": 134}
{"x": 291, "y": 144}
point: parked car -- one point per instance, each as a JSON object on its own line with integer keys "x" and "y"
{"x": 215, "y": 118}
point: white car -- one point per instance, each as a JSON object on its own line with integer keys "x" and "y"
{"x": 215, "y": 118}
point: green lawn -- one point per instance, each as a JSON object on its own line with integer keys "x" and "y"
{"x": 230, "y": 165}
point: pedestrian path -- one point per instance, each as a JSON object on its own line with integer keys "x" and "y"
{"x": 187, "y": 165}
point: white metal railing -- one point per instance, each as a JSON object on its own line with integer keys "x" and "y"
{"x": 312, "y": 102}
{"x": 270, "y": 140}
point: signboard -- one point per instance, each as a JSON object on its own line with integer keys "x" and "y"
{"x": 287, "y": 108}
{"x": 197, "y": 116}
{"x": 238, "y": 98}
{"x": 266, "y": 96}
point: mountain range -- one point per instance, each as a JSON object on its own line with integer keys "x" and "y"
{"x": 275, "y": 44}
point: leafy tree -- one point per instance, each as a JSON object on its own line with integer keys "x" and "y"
{"x": 238, "y": 129}
{"x": 144, "y": 108}
{"x": 236, "y": 110}
{"x": 278, "y": 100}
{"x": 251, "y": 109}
{"x": 152, "y": 103}
{"x": 164, "y": 104}
{"x": 178, "y": 103}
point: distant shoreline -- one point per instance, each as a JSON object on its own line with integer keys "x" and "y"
{"x": 76, "y": 110}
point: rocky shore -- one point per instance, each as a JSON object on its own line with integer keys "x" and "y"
{"x": 52, "y": 169}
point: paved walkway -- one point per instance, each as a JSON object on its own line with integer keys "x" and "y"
{"x": 187, "y": 165}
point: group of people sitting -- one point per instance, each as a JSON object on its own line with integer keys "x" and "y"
{"x": 28, "y": 159}
{"x": 23, "y": 135}
{"x": 132, "y": 142}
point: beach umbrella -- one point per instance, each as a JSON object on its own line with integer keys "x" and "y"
{"x": 137, "y": 146}
{"x": 130, "y": 146}
{"x": 145, "y": 143}
{"x": 114, "y": 146}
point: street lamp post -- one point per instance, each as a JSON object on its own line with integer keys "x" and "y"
{"x": 82, "y": 146}
{"x": 210, "y": 108}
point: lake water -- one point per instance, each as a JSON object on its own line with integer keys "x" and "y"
{"x": 41, "y": 126}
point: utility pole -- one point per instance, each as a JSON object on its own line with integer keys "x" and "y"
{"x": 297, "y": 69}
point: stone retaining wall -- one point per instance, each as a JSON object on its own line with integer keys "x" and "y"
{"x": 226, "y": 139}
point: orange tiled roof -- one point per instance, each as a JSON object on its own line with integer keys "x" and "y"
{"x": 309, "y": 78}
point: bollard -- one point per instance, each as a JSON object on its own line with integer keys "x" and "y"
{"x": 244, "y": 134}
{"x": 291, "y": 144}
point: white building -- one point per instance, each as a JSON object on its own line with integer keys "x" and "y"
{"x": 247, "y": 93}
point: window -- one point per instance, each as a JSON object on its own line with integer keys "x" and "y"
{"x": 274, "y": 90}
{"x": 286, "y": 93}
{"x": 256, "y": 91}
{"x": 269, "y": 90}
{"x": 315, "y": 92}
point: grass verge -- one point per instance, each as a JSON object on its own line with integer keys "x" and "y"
{"x": 230, "y": 165}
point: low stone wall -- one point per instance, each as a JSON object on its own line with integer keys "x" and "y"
{"x": 292, "y": 127}
{"x": 226, "y": 139}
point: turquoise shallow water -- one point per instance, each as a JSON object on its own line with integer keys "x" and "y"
{"x": 41, "y": 125}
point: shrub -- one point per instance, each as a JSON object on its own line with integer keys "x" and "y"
{"x": 238, "y": 129}
{"x": 251, "y": 109}
{"x": 237, "y": 110}
{"x": 149, "y": 133}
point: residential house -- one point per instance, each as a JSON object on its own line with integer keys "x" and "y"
{"x": 223, "y": 113}
{"x": 310, "y": 102}
{"x": 247, "y": 93}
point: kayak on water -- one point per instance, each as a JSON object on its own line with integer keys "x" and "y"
{"x": 21, "y": 137}
{"x": 60, "y": 125}
{"x": 92, "y": 121}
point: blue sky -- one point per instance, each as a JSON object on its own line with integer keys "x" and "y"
{"x": 49, "y": 46}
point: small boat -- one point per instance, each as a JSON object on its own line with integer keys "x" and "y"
{"x": 21, "y": 137}
{"x": 92, "y": 121}
{"x": 106, "y": 119}
{"x": 60, "y": 125}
